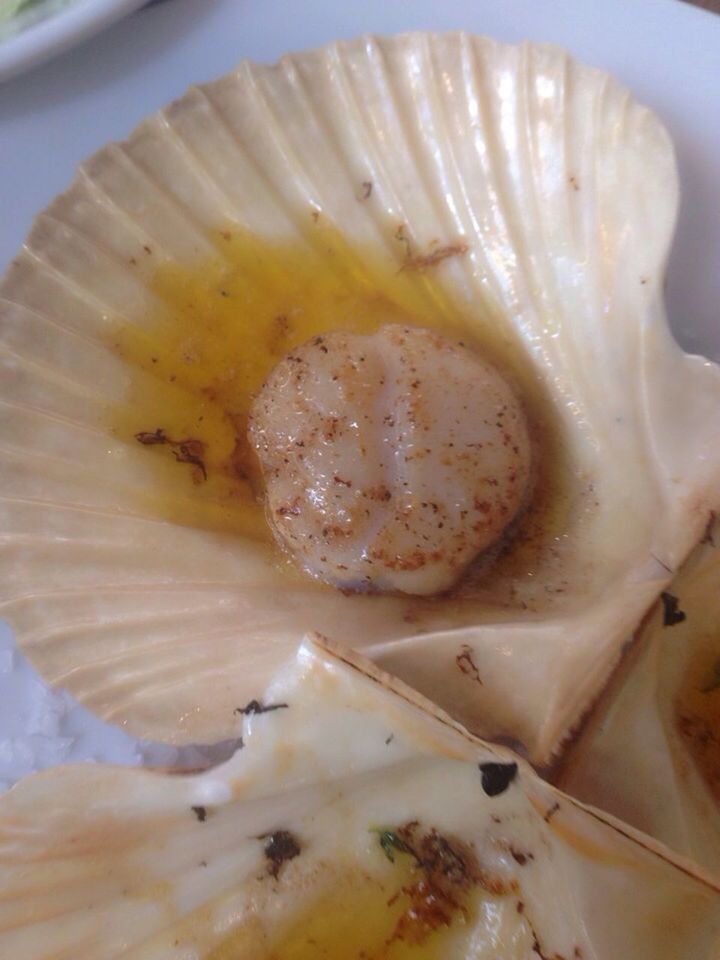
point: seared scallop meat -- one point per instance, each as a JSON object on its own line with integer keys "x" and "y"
{"x": 390, "y": 460}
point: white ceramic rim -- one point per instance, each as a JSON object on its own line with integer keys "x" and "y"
{"x": 68, "y": 26}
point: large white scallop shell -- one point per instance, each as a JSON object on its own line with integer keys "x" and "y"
{"x": 564, "y": 190}
{"x": 100, "y": 862}
{"x": 633, "y": 758}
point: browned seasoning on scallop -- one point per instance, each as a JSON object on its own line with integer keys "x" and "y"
{"x": 445, "y": 872}
{"x": 390, "y": 461}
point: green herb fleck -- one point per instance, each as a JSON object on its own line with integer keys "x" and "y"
{"x": 392, "y": 844}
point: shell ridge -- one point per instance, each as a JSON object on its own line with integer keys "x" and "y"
{"x": 51, "y": 232}
{"x": 202, "y": 95}
{"x": 28, "y": 364}
{"x": 192, "y": 162}
{"x": 82, "y": 293}
{"x": 168, "y": 198}
{"x": 100, "y": 195}
{"x": 393, "y": 200}
{"x": 7, "y": 322}
{"x": 445, "y": 164}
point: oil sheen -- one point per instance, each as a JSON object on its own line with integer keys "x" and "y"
{"x": 220, "y": 327}
{"x": 361, "y": 919}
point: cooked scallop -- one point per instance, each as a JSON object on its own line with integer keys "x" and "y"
{"x": 354, "y": 822}
{"x": 391, "y": 460}
{"x": 503, "y": 197}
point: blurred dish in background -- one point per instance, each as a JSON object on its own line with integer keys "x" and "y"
{"x": 32, "y": 31}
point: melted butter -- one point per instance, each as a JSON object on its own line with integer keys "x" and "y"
{"x": 218, "y": 329}
{"x": 361, "y": 919}
{"x": 697, "y": 712}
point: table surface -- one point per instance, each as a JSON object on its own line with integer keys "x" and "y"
{"x": 664, "y": 50}
{"x": 713, "y": 5}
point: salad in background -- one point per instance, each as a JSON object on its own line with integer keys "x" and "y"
{"x": 15, "y": 15}
{"x": 32, "y": 31}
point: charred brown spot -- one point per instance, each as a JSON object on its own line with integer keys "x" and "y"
{"x": 278, "y": 334}
{"x": 410, "y": 561}
{"x": 289, "y": 509}
{"x": 445, "y": 870}
{"x": 280, "y": 846}
{"x": 521, "y": 857}
{"x": 151, "y": 437}
{"x": 190, "y": 451}
{"x": 380, "y": 492}
{"x": 467, "y": 665}
{"x": 403, "y": 238}
{"x": 331, "y": 531}
{"x": 423, "y": 261}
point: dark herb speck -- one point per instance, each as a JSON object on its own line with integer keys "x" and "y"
{"x": 281, "y": 846}
{"x": 672, "y": 614}
{"x": 257, "y": 706}
{"x": 189, "y": 451}
{"x": 392, "y": 844}
{"x": 497, "y": 777}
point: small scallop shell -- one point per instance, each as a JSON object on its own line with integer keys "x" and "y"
{"x": 650, "y": 753}
{"x": 291, "y": 847}
{"x": 563, "y": 193}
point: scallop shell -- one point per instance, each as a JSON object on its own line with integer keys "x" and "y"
{"x": 649, "y": 753}
{"x": 99, "y": 863}
{"x": 564, "y": 191}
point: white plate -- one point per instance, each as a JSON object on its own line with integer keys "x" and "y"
{"x": 53, "y": 117}
{"x": 52, "y": 27}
